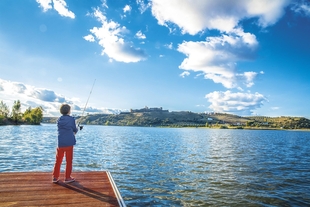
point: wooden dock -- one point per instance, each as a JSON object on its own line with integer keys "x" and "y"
{"x": 37, "y": 189}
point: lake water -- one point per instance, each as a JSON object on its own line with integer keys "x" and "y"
{"x": 177, "y": 167}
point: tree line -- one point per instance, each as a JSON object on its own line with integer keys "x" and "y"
{"x": 15, "y": 116}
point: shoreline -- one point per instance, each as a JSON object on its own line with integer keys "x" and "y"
{"x": 232, "y": 128}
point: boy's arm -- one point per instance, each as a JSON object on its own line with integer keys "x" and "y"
{"x": 75, "y": 128}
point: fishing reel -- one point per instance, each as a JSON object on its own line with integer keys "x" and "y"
{"x": 80, "y": 127}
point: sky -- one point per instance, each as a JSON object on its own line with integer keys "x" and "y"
{"x": 243, "y": 57}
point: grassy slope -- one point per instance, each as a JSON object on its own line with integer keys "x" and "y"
{"x": 190, "y": 119}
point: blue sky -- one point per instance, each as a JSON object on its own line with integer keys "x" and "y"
{"x": 245, "y": 57}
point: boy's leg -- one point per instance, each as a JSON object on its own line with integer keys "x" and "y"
{"x": 59, "y": 156}
{"x": 69, "y": 158}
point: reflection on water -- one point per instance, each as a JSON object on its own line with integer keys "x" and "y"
{"x": 177, "y": 167}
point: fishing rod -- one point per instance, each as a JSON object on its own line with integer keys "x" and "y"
{"x": 81, "y": 127}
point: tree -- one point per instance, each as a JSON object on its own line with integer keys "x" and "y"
{"x": 37, "y": 115}
{"x": 33, "y": 116}
{"x": 4, "y": 110}
{"x": 1, "y": 119}
{"x": 16, "y": 114}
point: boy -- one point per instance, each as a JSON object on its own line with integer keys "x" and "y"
{"x": 66, "y": 139}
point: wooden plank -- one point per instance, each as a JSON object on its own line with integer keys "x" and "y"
{"x": 37, "y": 189}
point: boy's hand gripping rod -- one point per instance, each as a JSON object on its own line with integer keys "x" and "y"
{"x": 81, "y": 127}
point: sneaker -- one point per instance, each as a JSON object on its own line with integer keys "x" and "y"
{"x": 55, "y": 180}
{"x": 69, "y": 180}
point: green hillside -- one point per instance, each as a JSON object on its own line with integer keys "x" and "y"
{"x": 190, "y": 119}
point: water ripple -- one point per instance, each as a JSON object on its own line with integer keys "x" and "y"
{"x": 177, "y": 167}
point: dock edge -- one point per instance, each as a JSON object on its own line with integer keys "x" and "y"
{"x": 116, "y": 191}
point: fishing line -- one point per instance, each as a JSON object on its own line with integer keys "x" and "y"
{"x": 87, "y": 101}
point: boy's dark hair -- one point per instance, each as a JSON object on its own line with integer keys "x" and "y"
{"x": 64, "y": 109}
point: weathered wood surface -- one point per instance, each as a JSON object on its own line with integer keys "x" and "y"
{"x": 37, "y": 189}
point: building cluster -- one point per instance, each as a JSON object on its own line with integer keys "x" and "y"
{"x": 147, "y": 109}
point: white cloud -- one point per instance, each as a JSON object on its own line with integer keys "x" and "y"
{"x": 45, "y": 4}
{"x": 195, "y": 16}
{"x": 217, "y": 58}
{"x": 185, "y": 73}
{"x": 169, "y": 46}
{"x": 49, "y": 100}
{"x": 104, "y": 4}
{"x": 302, "y": 7}
{"x": 31, "y": 96}
{"x": 238, "y": 103}
{"x": 268, "y": 12}
{"x": 127, "y": 8}
{"x": 110, "y": 36}
{"x": 248, "y": 78}
{"x": 89, "y": 38}
{"x": 140, "y": 35}
{"x": 42, "y": 94}
{"x": 143, "y": 6}
{"x": 59, "y": 5}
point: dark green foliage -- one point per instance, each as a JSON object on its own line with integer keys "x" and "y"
{"x": 2, "y": 118}
{"x": 16, "y": 112}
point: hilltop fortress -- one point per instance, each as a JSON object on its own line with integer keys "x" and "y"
{"x": 146, "y": 109}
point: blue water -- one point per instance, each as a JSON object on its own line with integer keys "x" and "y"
{"x": 177, "y": 167}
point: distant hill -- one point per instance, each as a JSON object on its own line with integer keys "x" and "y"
{"x": 49, "y": 120}
{"x": 163, "y": 118}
